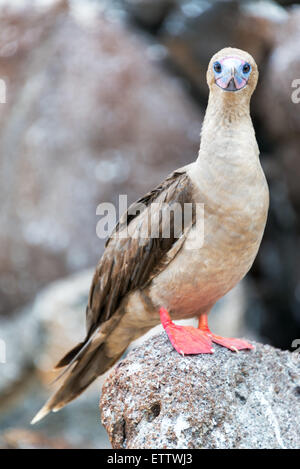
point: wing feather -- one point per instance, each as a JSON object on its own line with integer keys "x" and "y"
{"x": 133, "y": 257}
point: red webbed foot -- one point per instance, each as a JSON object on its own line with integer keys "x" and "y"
{"x": 232, "y": 344}
{"x": 188, "y": 340}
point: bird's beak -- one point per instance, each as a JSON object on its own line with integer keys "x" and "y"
{"x": 231, "y": 77}
{"x": 231, "y": 85}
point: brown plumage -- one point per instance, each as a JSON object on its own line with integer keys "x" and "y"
{"x": 128, "y": 263}
{"x": 139, "y": 273}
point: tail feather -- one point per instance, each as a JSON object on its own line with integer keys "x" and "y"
{"x": 66, "y": 359}
{"x": 85, "y": 363}
{"x": 86, "y": 370}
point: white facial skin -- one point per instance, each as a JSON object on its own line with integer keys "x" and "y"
{"x": 231, "y": 73}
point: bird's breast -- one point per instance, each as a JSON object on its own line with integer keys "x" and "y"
{"x": 218, "y": 251}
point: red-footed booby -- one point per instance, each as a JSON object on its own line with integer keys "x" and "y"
{"x": 141, "y": 279}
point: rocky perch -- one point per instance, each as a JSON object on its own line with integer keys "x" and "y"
{"x": 155, "y": 398}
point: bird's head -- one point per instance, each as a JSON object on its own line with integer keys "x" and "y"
{"x": 232, "y": 72}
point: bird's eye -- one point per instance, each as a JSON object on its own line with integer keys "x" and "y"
{"x": 246, "y": 68}
{"x": 217, "y": 67}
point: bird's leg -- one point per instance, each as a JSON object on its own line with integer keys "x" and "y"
{"x": 231, "y": 344}
{"x": 188, "y": 340}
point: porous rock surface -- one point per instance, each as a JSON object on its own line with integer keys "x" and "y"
{"x": 156, "y": 398}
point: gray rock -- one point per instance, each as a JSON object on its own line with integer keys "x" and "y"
{"x": 156, "y": 398}
{"x": 36, "y": 339}
{"x": 21, "y": 337}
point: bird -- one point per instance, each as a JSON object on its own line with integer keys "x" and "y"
{"x": 144, "y": 279}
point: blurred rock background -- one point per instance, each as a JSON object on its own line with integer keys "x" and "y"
{"x": 106, "y": 97}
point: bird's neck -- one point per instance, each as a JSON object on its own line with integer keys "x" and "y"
{"x": 227, "y": 133}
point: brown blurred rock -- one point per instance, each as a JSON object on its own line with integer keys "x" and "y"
{"x": 278, "y": 275}
{"x": 194, "y": 35}
{"x": 19, "y": 438}
{"x": 149, "y": 13}
{"x": 289, "y": 152}
{"x": 288, "y": 2}
{"x": 156, "y": 398}
{"x": 89, "y": 115}
{"x": 281, "y": 115}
